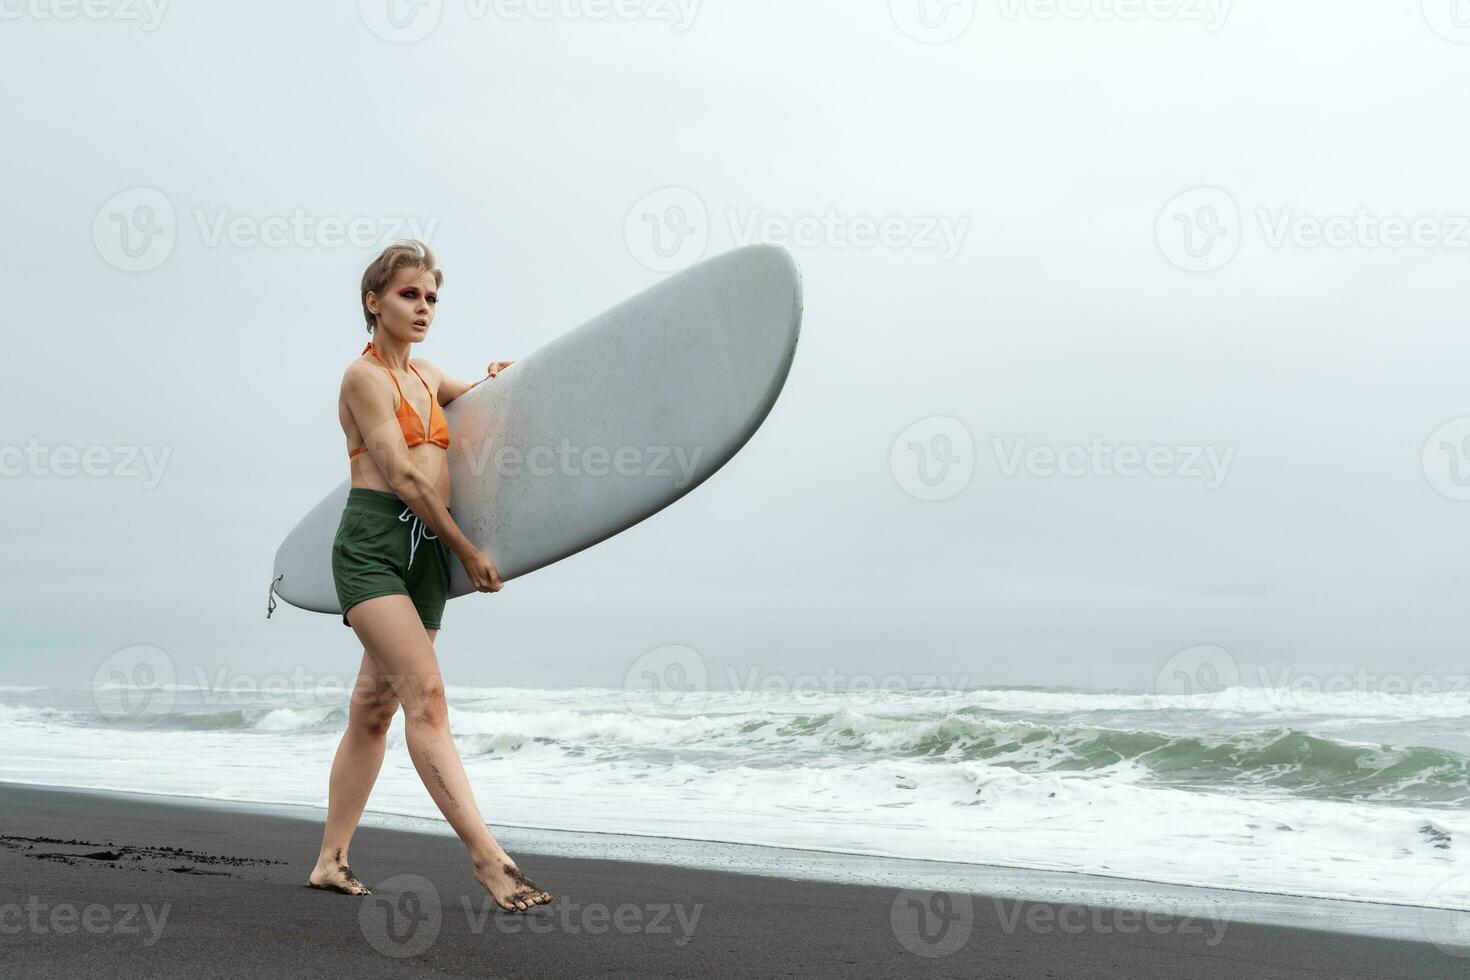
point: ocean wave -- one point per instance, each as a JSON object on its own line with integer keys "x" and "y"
{"x": 1120, "y": 737}
{"x": 1276, "y": 759}
{"x": 1305, "y": 700}
{"x": 22, "y": 713}
{"x": 1301, "y": 701}
{"x": 1307, "y": 697}
{"x": 1281, "y": 759}
{"x": 260, "y": 719}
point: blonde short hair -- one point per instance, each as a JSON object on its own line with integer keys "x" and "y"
{"x": 381, "y": 270}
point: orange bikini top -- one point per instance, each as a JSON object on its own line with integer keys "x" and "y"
{"x": 408, "y": 419}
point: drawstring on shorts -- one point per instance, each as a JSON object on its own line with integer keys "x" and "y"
{"x": 417, "y": 532}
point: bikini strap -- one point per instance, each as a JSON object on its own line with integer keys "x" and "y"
{"x": 432, "y": 399}
{"x": 370, "y": 349}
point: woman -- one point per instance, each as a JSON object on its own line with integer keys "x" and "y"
{"x": 390, "y": 562}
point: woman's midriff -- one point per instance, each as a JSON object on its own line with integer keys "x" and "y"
{"x": 428, "y": 458}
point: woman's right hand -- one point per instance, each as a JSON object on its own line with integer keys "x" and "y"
{"x": 484, "y": 576}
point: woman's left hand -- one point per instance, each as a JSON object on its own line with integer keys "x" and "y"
{"x": 497, "y": 366}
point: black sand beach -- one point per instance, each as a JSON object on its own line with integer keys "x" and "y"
{"x": 107, "y": 885}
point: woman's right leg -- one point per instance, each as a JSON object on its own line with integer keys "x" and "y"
{"x": 354, "y": 770}
{"x": 393, "y": 635}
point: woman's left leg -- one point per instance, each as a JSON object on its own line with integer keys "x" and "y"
{"x": 354, "y": 771}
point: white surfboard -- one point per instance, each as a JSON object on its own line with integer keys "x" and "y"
{"x": 601, "y": 428}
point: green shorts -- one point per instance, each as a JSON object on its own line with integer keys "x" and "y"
{"x": 382, "y": 548}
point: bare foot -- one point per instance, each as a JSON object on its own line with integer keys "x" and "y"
{"x": 334, "y": 875}
{"x": 511, "y": 889}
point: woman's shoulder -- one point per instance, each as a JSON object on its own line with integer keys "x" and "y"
{"x": 427, "y": 368}
{"x": 359, "y": 372}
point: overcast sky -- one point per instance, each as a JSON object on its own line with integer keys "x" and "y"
{"x": 1230, "y": 236}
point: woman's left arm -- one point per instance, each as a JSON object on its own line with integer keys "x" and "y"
{"x": 452, "y": 388}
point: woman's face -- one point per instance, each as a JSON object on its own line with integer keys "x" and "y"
{"x": 405, "y": 310}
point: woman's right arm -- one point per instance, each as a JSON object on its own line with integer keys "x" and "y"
{"x": 371, "y": 406}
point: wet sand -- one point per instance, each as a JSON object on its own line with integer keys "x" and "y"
{"x": 124, "y": 886}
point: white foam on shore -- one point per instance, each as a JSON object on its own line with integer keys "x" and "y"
{"x": 889, "y": 776}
